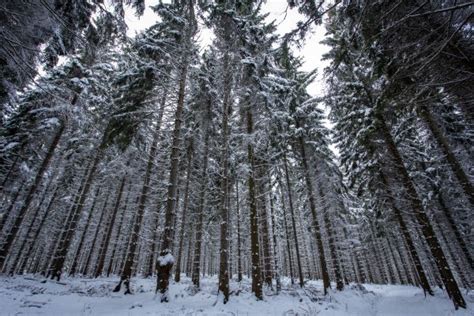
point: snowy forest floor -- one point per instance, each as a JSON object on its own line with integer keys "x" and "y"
{"x": 31, "y": 295}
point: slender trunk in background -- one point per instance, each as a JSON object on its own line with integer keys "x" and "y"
{"x": 224, "y": 171}
{"x": 287, "y": 234}
{"x": 275, "y": 245}
{"x": 454, "y": 228}
{"x": 331, "y": 241}
{"x": 312, "y": 205}
{"x": 200, "y": 210}
{"x": 185, "y": 207}
{"x": 239, "y": 242}
{"x": 265, "y": 236}
{"x": 293, "y": 221}
{"x": 33, "y": 244}
{"x": 254, "y": 242}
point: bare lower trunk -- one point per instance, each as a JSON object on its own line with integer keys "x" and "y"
{"x": 166, "y": 260}
{"x": 293, "y": 221}
{"x": 177, "y": 276}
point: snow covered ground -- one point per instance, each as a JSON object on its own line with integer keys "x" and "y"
{"x": 30, "y": 295}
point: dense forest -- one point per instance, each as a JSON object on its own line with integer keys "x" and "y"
{"x": 155, "y": 157}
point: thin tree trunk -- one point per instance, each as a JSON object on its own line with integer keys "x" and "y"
{"x": 287, "y": 233}
{"x": 275, "y": 246}
{"x": 223, "y": 210}
{"x": 312, "y": 205}
{"x": 332, "y": 243}
{"x": 200, "y": 211}
{"x": 32, "y": 245}
{"x": 239, "y": 241}
{"x": 293, "y": 221}
{"x": 177, "y": 276}
{"x": 254, "y": 242}
{"x": 166, "y": 260}
{"x": 27, "y": 240}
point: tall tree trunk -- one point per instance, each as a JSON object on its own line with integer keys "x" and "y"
{"x": 265, "y": 236}
{"x": 287, "y": 234}
{"x": 275, "y": 245}
{"x": 166, "y": 260}
{"x": 312, "y": 205}
{"x": 10, "y": 237}
{"x": 224, "y": 170}
{"x": 200, "y": 211}
{"x": 254, "y": 242}
{"x": 332, "y": 242}
{"x": 177, "y": 276}
{"x": 422, "y": 218}
{"x": 239, "y": 241}
{"x": 293, "y": 220}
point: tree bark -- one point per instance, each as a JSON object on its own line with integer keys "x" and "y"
{"x": 293, "y": 221}
{"x": 254, "y": 242}
{"x": 177, "y": 276}
{"x": 312, "y": 205}
{"x": 166, "y": 260}
{"x": 332, "y": 243}
{"x": 200, "y": 212}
